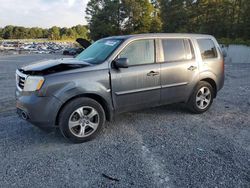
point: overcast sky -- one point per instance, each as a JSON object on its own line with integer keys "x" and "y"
{"x": 42, "y": 13}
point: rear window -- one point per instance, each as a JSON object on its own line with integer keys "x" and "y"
{"x": 207, "y": 48}
{"x": 174, "y": 49}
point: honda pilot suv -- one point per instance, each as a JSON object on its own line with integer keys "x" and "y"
{"x": 120, "y": 74}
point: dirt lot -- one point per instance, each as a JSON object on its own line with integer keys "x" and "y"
{"x": 158, "y": 147}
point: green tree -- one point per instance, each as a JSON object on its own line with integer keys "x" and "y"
{"x": 8, "y": 32}
{"x": 19, "y": 33}
{"x": 35, "y": 32}
{"x": 71, "y": 33}
{"x": 81, "y": 31}
{"x": 116, "y": 17}
{"x": 54, "y": 33}
{"x": 137, "y": 16}
{"x": 222, "y": 18}
{"x": 245, "y": 19}
{"x": 174, "y": 15}
{"x": 156, "y": 24}
{"x": 103, "y": 17}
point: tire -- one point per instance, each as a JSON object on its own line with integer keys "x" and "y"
{"x": 202, "y": 94}
{"x": 81, "y": 119}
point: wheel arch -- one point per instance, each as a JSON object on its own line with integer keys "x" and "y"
{"x": 212, "y": 83}
{"x": 107, "y": 109}
{"x": 209, "y": 80}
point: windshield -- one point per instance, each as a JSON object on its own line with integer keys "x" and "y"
{"x": 99, "y": 51}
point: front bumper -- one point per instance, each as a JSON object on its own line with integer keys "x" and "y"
{"x": 40, "y": 111}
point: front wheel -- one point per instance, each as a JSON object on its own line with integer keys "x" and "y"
{"x": 81, "y": 119}
{"x": 202, "y": 98}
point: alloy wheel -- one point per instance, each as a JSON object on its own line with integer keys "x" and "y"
{"x": 203, "y": 97}
{"x": 84, "y": 121}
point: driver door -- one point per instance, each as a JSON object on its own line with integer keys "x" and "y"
{"x": 137, "y": 86}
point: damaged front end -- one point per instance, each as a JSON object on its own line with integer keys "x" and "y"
{"x": 51, "y": 70}
{"x": 52, "y": 66}
{"x": 31, "y": 77}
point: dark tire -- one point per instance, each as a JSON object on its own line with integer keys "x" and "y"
{"x": 86, "y": 112}
{"x": 199, "y": 97}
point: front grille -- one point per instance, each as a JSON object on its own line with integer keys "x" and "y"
{"x": 20, "y": 80}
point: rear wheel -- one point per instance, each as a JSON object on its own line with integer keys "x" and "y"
{"x": 81, "y": 119}
{"x": 202, "y": 98}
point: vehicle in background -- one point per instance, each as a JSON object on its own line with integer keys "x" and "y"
{"x": 120, "y": 74}
{"x": 41, "y": 47}
{"x": 72, "y": 51}
{"x": 75, "y": 51}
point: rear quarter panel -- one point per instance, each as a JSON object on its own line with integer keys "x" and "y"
{"x": 211, "y": 68}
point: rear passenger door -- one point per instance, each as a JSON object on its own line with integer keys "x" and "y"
{"x": 178, "y": 69}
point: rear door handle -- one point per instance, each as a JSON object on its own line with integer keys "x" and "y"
{"x": 192, "y": 68}
{"x": 152, "y": 73}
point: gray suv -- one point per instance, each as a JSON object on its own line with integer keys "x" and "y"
{"x": 120, "y": 74}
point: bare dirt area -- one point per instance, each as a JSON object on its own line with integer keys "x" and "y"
{"x": 158, "y": 147}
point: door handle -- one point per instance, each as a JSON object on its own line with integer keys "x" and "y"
{"x": 192, "y": 68}
{"x": 152, "y": 73}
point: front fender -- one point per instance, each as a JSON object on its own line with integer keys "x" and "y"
{"x": 72, "y": 90}
{"x": 95, "y": 91}
{"x": 78, "y": 83}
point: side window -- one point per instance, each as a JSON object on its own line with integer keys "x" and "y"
{"x": 139, "y": 52}
{"x": 207, "y": 48}
{"x": 174, "y": 49}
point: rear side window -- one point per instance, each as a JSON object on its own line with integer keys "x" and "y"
{"x": 139, "y": 52}
{"x": 207, "y": 48}
{"x": 174, "y": 49}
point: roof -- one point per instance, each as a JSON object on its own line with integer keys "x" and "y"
{"x": 156, "y": 35}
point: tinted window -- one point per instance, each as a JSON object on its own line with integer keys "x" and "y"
{"x": 139, "y": 52}
{"x": 174, "y": 49}
{"x": 207, "y": 48}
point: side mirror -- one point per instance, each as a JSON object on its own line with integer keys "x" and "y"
{"x": 121, "y": 63}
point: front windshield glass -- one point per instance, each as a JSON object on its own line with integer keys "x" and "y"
{"x": 99, "y": 51}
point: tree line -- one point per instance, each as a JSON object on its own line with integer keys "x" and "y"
{"x": 221, "y": 18}
{"x": 225, "y": 19}
{"x": 53, "y": 33}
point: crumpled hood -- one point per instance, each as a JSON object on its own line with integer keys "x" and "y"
{"x": 53, "y": 66}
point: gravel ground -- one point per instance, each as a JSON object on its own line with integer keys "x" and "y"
{"x": 159, "y": 147}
